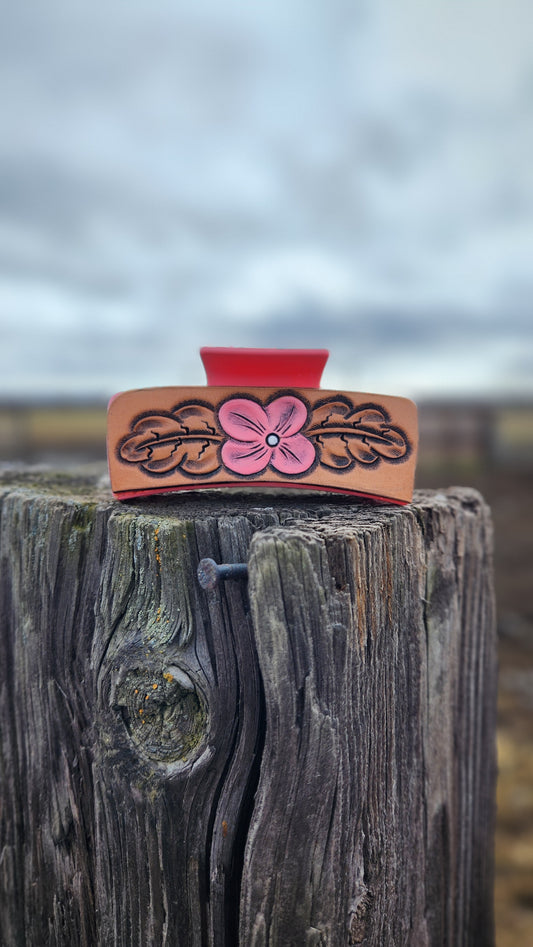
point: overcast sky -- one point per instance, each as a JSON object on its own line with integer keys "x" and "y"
{"x": 355, "y": 176}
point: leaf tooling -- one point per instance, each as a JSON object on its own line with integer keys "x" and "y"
{"x": 185, "y": 438}
{"x": 346, "y": 435}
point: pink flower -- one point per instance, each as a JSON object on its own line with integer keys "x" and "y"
{"x": 259, "y": 436}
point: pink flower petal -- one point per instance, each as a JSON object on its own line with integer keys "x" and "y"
{"x": 245, "y": 458}
{"x": 286, "y": 415}
{"x": 293, "y": 455}
{"x": 243, "y": 419}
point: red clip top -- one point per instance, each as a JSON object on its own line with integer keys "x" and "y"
{"x": 264, "y": 368}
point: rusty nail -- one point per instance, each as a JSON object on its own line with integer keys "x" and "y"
{"x": 210, "y": 573}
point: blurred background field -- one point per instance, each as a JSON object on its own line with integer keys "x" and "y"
{"x": 354, "y": 176}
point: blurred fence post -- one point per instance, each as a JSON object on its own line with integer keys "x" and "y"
{"x": 306, "y": 758}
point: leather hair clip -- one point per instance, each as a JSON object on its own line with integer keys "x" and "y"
{"x": 262, "y": 421}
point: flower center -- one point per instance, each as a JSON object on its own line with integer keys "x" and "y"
{"x": 272, "y": 440}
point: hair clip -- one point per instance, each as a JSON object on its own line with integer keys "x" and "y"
{"x": 262, "y": 421}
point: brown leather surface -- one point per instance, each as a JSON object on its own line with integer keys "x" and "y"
{"x": 172, "y": 438}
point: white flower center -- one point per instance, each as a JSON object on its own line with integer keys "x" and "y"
{"x": 272, "y": 440}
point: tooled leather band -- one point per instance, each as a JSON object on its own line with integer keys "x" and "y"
{"x": 165, "y": 440}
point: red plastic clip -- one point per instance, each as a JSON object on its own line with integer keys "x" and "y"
{"x": 262, "y": 422}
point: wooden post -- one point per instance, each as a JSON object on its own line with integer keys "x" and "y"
{"x": 306, "y": 758}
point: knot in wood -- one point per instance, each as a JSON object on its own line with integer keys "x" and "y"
{"x": 360, "y": 920}
{"x": 163, "y": 712}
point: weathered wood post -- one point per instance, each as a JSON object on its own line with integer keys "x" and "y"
{"x": 303, "y": 759}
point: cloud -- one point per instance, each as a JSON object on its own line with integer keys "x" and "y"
{"x": 346, "y": 175}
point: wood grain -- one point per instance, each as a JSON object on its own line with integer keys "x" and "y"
{"x": 304, "y": 760}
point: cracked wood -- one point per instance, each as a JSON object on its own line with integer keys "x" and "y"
{"x": 306, "y": 760}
